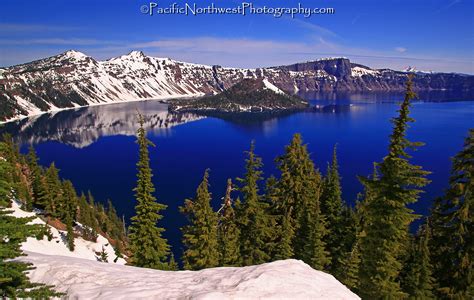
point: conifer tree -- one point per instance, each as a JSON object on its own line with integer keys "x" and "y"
{"x": 14, "y": 282}
{"x": 300, "y": 189}
{"x": 252, "y": 218}
{"x": 36, "y": 178}
{"x": 54, "y": 190}
{"x": 228, "y": 232}
{"x": 68, "y": 211}
{"x": 452, "y": 222}
{"x": 331, "y": 208}
{"x": 172, "y": 264}
{"x": 387, "y": 216}
{"x": 200, "y": 236}
{"x": 149, "y": 249}
{"x": 283, "y": 233}
{"x": 416, "y": 278}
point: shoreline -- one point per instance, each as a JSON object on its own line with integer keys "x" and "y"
{"x": 56, "y": 110}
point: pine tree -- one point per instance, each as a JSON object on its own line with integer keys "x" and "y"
{"x": 331, "y": 208}
{"x": 228, "y": 232}
{"x": 300, "y": 190}
{"x": 283, "y": 232}
{"x": 14, "y": 282}
{"x": 67, "y": 211}
{"x": 452, "y": 222}
{"x": 200, "y": 236}
{"x": 387, "y": 216}
{"x": 172, "y": 264}
{"x": 149, "y": 249}
{"x": 54, "y": 191}
{"x": 251, "y": 214}
{"x": 416, "y": 279}
{"x": 36, "y": 178}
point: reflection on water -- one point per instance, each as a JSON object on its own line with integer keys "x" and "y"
{"x": 81, "y": 127}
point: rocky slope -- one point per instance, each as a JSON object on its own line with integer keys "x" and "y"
{"x": 249, "y": 95}
{"x": 73, "y": 79}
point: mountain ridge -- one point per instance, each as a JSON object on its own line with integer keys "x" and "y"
{"x": 72, "y": 79}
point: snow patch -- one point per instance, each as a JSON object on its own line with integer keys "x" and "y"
{"x": 86, "y": 279}
{"x": 271, "y": 86}
{"x": 57, "y": 246}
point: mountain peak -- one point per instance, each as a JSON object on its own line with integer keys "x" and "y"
{"x": 136, "y": 54}
{"x": 73, "y": 54}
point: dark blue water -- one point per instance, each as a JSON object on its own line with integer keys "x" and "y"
{"x": 95, "y": 147}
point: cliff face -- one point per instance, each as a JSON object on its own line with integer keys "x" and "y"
{"x": 73, "y": 79}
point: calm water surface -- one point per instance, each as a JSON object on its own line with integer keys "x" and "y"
{"x": 95, "y": 146}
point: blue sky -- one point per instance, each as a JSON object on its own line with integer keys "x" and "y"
{"x": 433, "y": 35}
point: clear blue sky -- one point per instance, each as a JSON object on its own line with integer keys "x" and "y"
{"x": 433, "y": 35}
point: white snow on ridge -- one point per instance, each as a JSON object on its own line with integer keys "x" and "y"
{"x": 57, "y": 246}
{"x": 85, "y": 279}
{"x": 359, "y": 72}
{"x": 271, "y": 86}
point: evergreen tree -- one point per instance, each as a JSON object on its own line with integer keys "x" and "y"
{"x": 172, "y": 264}
{"x": 200, "y": 236}
{"x": 452, "y": 221}
{"x": 416, "y": 277}
{"x": 331, "y": 208}
{"x": 68, "y": 211}
{"x": 14, "y": 282}
{"x": 300, "y": 190}
{"x": 148, "y": 248}
{"x": 316, "y": 254}
{"x": 283, "y": 232}
{"x": 228, "y": 232}
{"x": 387, "y": 216}
{"x": 252, "y": 218}
{"x": 54, "y": 190}
{"x": 36, "y": 179}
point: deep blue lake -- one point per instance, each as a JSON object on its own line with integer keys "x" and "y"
{"x": 95, "y": 146}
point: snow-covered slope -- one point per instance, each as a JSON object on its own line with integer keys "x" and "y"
{"x": 57, "y": 246}
{"x": 74, "y": 79}
{"x": 86, "y": 279}
{"x": 81, "y": 276}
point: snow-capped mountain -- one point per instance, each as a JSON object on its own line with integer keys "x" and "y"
{"x": 73, "y": 79}
{"x": 80, "y": 275}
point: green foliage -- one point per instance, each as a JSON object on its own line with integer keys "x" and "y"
{"x": 228, "y": 233}
{"x": 387, "y": 216}
{"x": 252, "y": 217}
{"x": 452, "y": 222}
{"x": 332, "y": 208}
{"x": 14, "y": 282}
{"x": 416, "y": 277}
{"x": 149, "y": 249}
{"x": 300, "y": 189}
{"x": 200, "y": 236}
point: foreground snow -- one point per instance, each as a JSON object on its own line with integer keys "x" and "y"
{"x": 86, "y": 279}
{"x": 81, "y": 276}
{"x": 57, "y": 246}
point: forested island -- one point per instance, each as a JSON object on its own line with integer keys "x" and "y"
{"x": 298, "y": 214}
{"x": 254, "y": 95}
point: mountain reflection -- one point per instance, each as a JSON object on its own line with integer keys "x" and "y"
{"x": 82, "y": 127}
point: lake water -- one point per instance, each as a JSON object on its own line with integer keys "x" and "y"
{"x": 95, "y": 146}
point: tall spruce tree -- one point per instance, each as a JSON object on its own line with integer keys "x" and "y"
{"x": 300, "y": 190}
{"x": 416, "y": 278}
{"x": 54, "y": 191}
{"x": 387, "y": 216}
{"x": 39, "y": 192}
{"x": 452, "y": 222}
{"x": 252, "y": 214}
{"x": 228, "y": 232}
{"x": 200, "y": 235}
{"x": 283, "y": 232}
{"x": 148, "y": 248}
{"x": 331, "y": 208}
